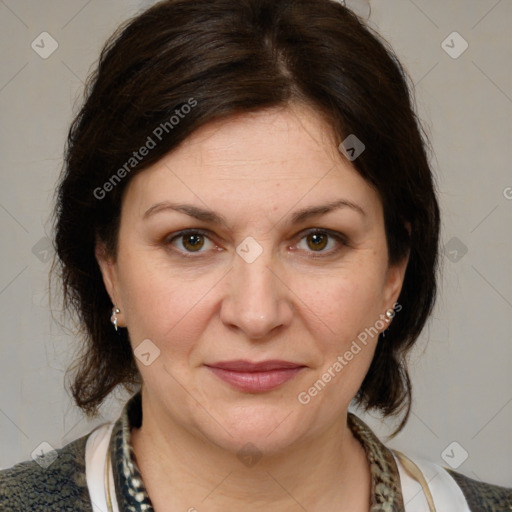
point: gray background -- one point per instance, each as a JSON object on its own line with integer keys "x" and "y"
{"x": 461, "y": 366}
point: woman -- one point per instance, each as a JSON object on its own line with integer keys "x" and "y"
{"x": 247, "y": 227}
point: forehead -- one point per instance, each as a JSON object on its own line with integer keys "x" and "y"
{"x": 282, "y": 156}
{"x": 263, "y": 144}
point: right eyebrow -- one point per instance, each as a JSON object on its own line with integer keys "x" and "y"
{"x": 187, "y": 209}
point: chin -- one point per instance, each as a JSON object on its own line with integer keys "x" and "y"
{"x": 264, "y": 429}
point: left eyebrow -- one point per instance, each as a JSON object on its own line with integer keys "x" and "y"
{"x": 307, "y": 213}
{"x": 214, "y": 218}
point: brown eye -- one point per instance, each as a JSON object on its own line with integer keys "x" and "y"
{"x": 193, "y": 242}
{"x": 317, "y": 241}
{"x": 321, "y": 242}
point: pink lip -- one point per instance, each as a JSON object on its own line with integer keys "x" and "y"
{"x": 255, "y": 377}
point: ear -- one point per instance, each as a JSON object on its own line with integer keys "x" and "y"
{"x": 395, "y": 278}
{"x": 108, "y": 268}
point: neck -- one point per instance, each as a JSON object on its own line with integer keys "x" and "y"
{"x": 182, "y": 470}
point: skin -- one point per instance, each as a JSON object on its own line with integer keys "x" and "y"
{"x": 297, "y": 301}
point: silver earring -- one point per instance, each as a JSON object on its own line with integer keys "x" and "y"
{"x": 113, "y": 316}
{"x": 389, "y": 314}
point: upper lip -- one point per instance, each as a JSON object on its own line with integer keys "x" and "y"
{"x": 240, "y": 365}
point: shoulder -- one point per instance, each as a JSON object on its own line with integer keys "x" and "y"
{"x": 61, "y": 485}
{"x": 449, "y": 489}
{"x": 483, "y": 496}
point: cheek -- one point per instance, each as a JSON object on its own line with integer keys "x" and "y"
{"x": 348, "y": 308}
{"x": 167, "y": 308}
{"x": 345, "y": 304}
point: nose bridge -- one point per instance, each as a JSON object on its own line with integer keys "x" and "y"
{"x": 255, "y": 299}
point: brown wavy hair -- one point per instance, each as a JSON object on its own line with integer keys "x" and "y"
{"x": 232, "y": 58}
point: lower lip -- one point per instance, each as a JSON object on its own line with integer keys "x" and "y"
{"x": 253, "y": 382}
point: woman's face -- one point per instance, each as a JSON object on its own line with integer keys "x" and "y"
{"x": 285, "y": 259}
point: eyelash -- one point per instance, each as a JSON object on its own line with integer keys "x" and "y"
{"x": 341, "y": 239}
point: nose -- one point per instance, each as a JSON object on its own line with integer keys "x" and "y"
{"x": 257, "y": 301}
